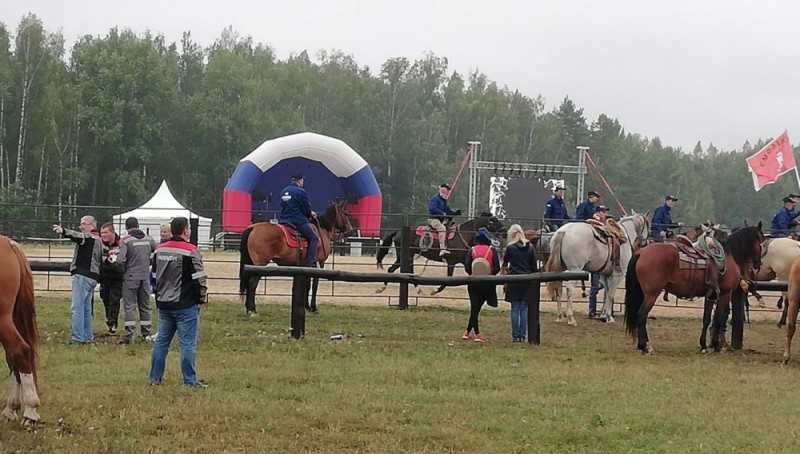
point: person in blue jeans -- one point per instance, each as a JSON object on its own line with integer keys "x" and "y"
{"x": 519, "y": 258}
{"x": 180, "y": 290}
{"x": 85, "y": 271}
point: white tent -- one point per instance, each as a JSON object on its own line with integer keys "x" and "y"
{"x": 160, "y": 209}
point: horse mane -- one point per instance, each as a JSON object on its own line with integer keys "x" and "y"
{"x": 739, "y": 243}
{"x": 328, "y": 219}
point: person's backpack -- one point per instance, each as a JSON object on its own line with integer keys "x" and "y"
{"x": 481, "y": 260}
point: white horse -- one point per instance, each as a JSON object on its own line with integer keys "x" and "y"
{"x": 575, "y": 248}
{"x": 777, "y": 258}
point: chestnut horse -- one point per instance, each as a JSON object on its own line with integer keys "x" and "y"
{"x": 18, "y": 332}
{"x": 657, "y": 267}
{"x": 265, "y": 242}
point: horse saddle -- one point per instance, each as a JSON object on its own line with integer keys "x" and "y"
{"x": 423, "y": 230}
{"x": 612, "y": 237}
{"x": 604, "y": 232}
{"x": 689, "y": 255}
{"x": 294, "y": 239}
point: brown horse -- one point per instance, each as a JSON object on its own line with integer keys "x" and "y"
{"x": 657, "y": 267}
{"x": 18, "y": 332}
{"x": 265, "y": 242}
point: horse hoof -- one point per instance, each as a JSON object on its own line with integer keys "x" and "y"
{"x": 610, "y": 320}
{"x": 311, "y": 309}
{"x": 572, "y": 322}
{"x": 703, "y": 350}
{"x": 9, "y": 414}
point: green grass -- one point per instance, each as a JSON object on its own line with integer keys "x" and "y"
{"x": 405, "y": 382}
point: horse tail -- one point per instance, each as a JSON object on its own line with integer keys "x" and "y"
{"x": 24, "y": 313}
{"x": 244, "y": 259}
{"x": 554, "y": 262}
{"x": 383, "y": 249}
{"x": 634, "y": 296}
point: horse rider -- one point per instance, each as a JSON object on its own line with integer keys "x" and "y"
{"x": 587, "y": 208}
{"x": 662, "y": 219}
{"x": 296, "y": 212}
{"x": 439, "y": 211}
{"x": 555, "y": 212}
{"x": 784, "y": 220}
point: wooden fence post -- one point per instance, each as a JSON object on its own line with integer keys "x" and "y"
{"x": 299, "y": 300}
{"x": 534, "y": 329}
{"x": 406, "y": 264}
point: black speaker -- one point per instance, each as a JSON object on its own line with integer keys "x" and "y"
{"x": 194, "y": 224}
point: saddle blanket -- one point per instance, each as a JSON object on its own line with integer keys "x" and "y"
{"x": 291, "y": 236}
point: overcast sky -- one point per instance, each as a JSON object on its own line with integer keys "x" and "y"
{"x": 716, "y": 71}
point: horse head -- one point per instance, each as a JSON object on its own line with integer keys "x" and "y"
{"x": 641, "y": 229}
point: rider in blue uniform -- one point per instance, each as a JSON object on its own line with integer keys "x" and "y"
{"x": 662, "y": 219}
{"x": 785, "y": 218}
{"x": 587, "y": 208}
{"x": 296, "y": 212}
{"x": 555, "y": 212}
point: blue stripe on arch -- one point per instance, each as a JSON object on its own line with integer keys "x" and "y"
{"x": 361, "y": 183}
{"x": 244, "y": 178}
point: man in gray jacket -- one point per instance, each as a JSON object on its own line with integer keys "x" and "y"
{"x": 134, "y": 255}
{"x": 85, "y": 271}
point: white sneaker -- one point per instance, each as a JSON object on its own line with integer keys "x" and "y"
{"x": 444, "y": 252}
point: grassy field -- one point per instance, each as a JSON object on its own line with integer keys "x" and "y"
{"x": 405, "y": 382}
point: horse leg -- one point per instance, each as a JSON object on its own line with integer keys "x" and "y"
{"x": 719, "y": 320}
{"x": 571, "y": 290}
{"x": 791, "y": 324}
{"x": 782, "y": 320}
{"x": 708, "y": 307}
{"x": 583, "y": 289}
{"x": 21, "y": 362}
{"x": 610, "y": 287}
{"x": 312, "y": 303}
{"x": 555, "y": 294}
{"x": 450, "y": 269}
{"x": 391, "y": 269}
{"x": 643, "y": 343}
{"x": 250, "y": 295}
{"x": 13, "y": 401}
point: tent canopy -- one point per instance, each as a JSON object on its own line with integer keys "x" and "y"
{"x": 162, "y": 205}
{"x": 160, "y": 209}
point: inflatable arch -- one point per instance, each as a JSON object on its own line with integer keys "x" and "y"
{"x": 332, "y": 171}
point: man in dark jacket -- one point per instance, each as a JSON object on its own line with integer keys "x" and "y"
{"x": 587, "y": 208}
{"x": 111, "y": 275}
{"x": 784, "y": 220}
{"x": 180, "y": 290}
{"x": 555, "y": 212}
{"x": 135, "y": 254}
{"x": 438, "y": 212}
{"x": 296, "y": 212}
{"x": 85, "y": 271}
{"x": 662, "y": 219}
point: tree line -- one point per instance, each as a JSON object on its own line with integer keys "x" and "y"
{"x": 103, "y": 121}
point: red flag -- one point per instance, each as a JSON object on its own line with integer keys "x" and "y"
{"x": 771, "y": 162}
